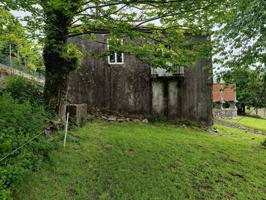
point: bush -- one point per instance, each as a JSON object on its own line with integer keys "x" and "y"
{"x": 22, "y": 117}
{"x": 264, "y": 143}
{"x": 22, "y": 89}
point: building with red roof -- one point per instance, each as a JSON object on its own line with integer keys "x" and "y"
{"x": 224, "y": 100}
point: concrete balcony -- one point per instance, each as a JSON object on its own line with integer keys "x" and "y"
{"x": 161, "y": 72}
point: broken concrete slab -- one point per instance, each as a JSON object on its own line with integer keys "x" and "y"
{"x": 77, "y": 113}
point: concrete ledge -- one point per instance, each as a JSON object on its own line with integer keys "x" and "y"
{"x": 77, "y": 113}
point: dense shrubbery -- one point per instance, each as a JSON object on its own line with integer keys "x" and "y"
{"x": 264, "y": 143}
{"x": 22, "y": 90}
{"x": 22, "y": 116}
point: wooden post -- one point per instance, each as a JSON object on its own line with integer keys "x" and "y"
{"x": 66, "y": 129}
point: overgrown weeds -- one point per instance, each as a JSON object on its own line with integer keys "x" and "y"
{"x": 22, "y": 122}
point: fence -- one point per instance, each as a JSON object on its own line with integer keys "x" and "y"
{"x": 14, "y": 64}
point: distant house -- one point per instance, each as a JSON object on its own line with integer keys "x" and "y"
{"x": 224, "y": 100}
{"x": 124, "y": 85}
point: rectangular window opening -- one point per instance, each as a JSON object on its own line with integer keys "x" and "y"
{"x": 115, "y": 57}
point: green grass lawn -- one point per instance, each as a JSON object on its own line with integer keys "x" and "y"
{"x": 141, "y": 161}
{"x": 250, "y": 122}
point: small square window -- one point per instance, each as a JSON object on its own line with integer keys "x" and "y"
{"x": 115, "y": 57}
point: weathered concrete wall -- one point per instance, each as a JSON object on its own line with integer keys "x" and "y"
{"x": 166, "y": 93}
{"x": 131, "y": 90}
{"x": 158, "y": 98}
{"x": 197, "y": 92}
{"x": 173, "y": 100}
{"x": 185, "y": 98}
{"x": 122, "y": 88}
{"x": 77, "y": 113}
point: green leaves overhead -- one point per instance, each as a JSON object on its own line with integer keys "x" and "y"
{"x": 250, "y": 85}
{"x": 23, "y": 50}
{"x": 243, "y": 28}
{"x": 139, "y": 20}
{"x": 157, "y": 31}
{"x": 241, "y": 22}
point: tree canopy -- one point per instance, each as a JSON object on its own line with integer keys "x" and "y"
{"x": 241, "y": 39}
{"x": 56, "y": 21}
{"x": 250, "y": 86}
{"x": 167, "y": 27}
{"x": 13, "y": 38}
{"x": 134, "y": 19}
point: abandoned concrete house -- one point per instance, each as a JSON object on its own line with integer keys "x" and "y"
{"x": 122, "y": 84}
{"x": 224, "y": 100}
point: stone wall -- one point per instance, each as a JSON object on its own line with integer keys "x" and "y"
{"x": 225, "y": 113}
{"x": 260, "y": 112}
{"x": 197, "y": 92}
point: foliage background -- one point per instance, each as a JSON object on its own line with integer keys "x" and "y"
{"x": 22, "y": 116}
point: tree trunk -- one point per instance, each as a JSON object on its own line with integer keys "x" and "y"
{"x": 59, "y": 17}
{"x": 56, "y": 76}
{"x": 243, "y": 108}
{"x": 56, "y": 64}
{"x": 55, "y": 90}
